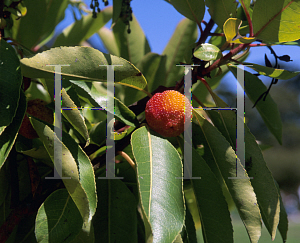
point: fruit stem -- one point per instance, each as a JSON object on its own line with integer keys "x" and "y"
{"x": 127, "y": 158}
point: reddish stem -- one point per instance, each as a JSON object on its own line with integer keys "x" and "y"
{"x": 248, "y": 19}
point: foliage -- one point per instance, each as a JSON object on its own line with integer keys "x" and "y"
{"x": 147, "y": 199}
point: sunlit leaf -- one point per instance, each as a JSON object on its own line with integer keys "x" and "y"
{"x": 158, "y": 169}
{"x": 279, "y": 23}
{"x": 231, "y": 31}
{"x": 84, "y": 65}
{"x": 207, "y": 52}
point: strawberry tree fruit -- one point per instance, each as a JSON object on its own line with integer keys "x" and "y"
{"x": 165, "y": 113}
{"x": 38, "y": 109}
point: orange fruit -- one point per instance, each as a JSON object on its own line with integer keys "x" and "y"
{"x": 38, "y": 109}
{"x": 165, "y": 113}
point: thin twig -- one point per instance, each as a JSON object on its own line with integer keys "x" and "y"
{"x": 127, "y": 158}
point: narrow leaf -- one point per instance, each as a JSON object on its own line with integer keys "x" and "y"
{"x": 132, "y": 46}
{"x": 221, "y": 158}
{"x": 83, "y": 29}
{"x": 267, "y": 108}
{"x": 158, "y": 169}
{"x": 263, "y": 181}
{"x": 184, "y": 35}
{"x": 74, "y": 116}
{"x": 98, "y": 98}
{"x": 109, "y": 41}
{"x": 273, "y": 72}
{"x": 212, "y": 206}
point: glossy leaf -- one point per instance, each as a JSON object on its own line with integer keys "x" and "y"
{"x": 98, "y": 98}
{"x": 279, "y": 23}
{"x": 41, "y": 19}
{"x": 158, "y": 165}
{"x": 263, "y": 181}
{"x": 231, "y": 31}
{"x": 58, "y": 219}
{"x": 10, "y": 83}
{"x": 207, "y": 52}
{"x": 83, "y": 29}
{"x": 109, "y": 41}
{"x": 184, "y": 35}
{"x": 221, "y": 158}
{"x": 267, "y": 108}
{"x": 191, "y": 9}
{"x": 116, "y": 216}
{"x": 132, "y": 46}
{"x": 73, "y": 116}
{"x": 9, "y": 135}
{"x": 74, "y": 165}
{"x": 273, "y": 72}
{"x": 84, "y": 65}
{"x": 212, "y": 206}
{"x": 221, "y": 10}
{"x": 153, "y": 67}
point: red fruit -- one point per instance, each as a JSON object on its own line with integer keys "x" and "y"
{"x": 165, "y": 113}
{"x": 37, "y": 109}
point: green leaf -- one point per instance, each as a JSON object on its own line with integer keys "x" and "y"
{"x": 267, "y": 108}
{"x": 58, "y": 219}
{"x": 117, "y": 8}
{"x": 74, "y": 116}
{"x": 153, "y": 67}
{"x": 10, "y": 83}
{"x": 222, "y": 160}
{"x": 185, "y": 34}
{"x": 279, "y": 23}
{"x": 283, "y": 219}
{"x": 75, "y": 165}
{"x": 231, "y": 31}
{"x": 9, "y": 135}
{"x": 132, "y": 46}
{"x": 273, "y": 72}
{"x": 192, "y": 9}
{"x": 158, "y": 168}
{"x": 212, "y": 206}
{"x": 98, "y": 98}
{"x": 263, "y": 181}
{"x": 116, "y": 216}
{"x": 83, "y": 29}
{"x": 40, "y": 21}
{"x": 221, "y": 10}
{"x": 84, "y": 65}
{"x": 207, "y": 52}
{"x": 109, "y": 41}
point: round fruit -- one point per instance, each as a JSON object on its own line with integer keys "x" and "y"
{"x": 165, "y": 113}
{"x": 38, "y": 109}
